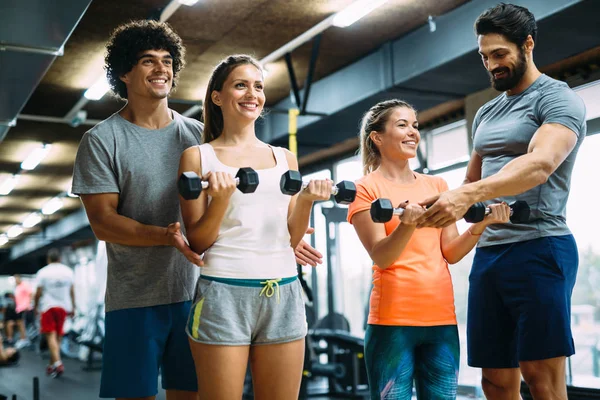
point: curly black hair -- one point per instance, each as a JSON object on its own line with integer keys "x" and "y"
{"x": 129, "y": 39}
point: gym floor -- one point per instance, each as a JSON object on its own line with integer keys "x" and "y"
{"x": 75, "y": 384}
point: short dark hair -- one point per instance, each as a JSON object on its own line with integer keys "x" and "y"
{"x": 513, "y": 22}
{"x": 53, "y": 255}
{"x": 128, "y": 40}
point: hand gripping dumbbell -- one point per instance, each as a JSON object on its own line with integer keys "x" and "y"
{"x": 291, "y": 183}
{"x": 382, "y": 210}
{"x": 190, "y": 185}
{"x": 519, "y": 212}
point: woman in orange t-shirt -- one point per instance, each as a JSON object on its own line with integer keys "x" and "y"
{"x": 412, "y": 333}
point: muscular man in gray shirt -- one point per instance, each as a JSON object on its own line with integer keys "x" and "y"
{"x": 126, "y": 172}
{"x": 525, "y": 144}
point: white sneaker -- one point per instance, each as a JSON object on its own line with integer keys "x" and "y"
{"x": 22, "y": 343}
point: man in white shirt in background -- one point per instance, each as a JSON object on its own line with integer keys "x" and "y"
{"x": 55, "y": 299}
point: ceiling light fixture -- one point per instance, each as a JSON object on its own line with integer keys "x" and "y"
{"x": 3, "y": 239}
{"x": 98, "y": 89}
{"x": 35, "y": 157}
{"x": 32, "y": 220}
{"x": 188, "y": 2}
{"x": 52, "y": 206}
{"x": 14, "y": 231}
{"x": 8, "y": 185}
{"x": 343, "y": 18}
{"x": 355, "y": 11}
{"x": 266, "y": 71}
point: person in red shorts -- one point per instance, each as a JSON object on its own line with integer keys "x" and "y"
{"x": 55, "y": 298}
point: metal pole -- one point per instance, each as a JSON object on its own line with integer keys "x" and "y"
{"x": 36, "y": 388}
{"x": 293, "y": 129}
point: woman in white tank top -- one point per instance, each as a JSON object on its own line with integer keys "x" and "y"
{"x": 248, "y": 303}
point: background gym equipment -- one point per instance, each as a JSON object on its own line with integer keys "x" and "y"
{"x": 190, "y": 185}
{"x": 291, "y": 183}
{"x": 382, "y": 210}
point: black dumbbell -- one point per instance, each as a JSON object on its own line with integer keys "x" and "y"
{"x": 382, "y": 210}
{"x": 519, "y": 212}
{"x": 291, "y": 183}
{"x": 190, "y": 185}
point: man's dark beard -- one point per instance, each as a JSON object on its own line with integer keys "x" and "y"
{"x": 513, "y": 76}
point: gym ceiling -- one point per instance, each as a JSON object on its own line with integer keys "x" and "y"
{"x": 423, "y": 51}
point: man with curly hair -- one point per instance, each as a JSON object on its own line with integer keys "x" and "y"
{"x": 125, "y": 173}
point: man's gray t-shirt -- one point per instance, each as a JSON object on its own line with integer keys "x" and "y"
{"x": 502, "y": 131}
{"x": 117, "y": 156}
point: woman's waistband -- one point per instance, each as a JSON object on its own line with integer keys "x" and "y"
{"x": 259, "y": 283}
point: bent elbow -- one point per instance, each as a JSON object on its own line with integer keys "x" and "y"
{"x": 546, "y": 168}
{"x": 451, "y": 258}
{"x": 98, "y": 231}
{"x": 543, "y": 173}
{"x": 382, "y": 263}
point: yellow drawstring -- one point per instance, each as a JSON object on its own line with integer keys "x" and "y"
{"x": 268, "y": 289}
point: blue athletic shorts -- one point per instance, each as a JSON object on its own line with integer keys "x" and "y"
{"x": 520, "y": 302}
{"x": 140, "y": 342}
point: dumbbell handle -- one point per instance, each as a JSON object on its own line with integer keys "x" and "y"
{"x": 400, "y": 211}
{"x": 334, "y": 189}
{"x": 488, "y": 211}
{"x": 205, "y": 183}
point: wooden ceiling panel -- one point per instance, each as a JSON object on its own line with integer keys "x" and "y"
{"x": 34, "y": 204}
{"x": 211, "y": 30}
{"x": 44, "y": 183}
{"x": 43, "y": 132}
{"x": 21, "y": 203}
{"x": 211, "y": 20}
{"x": 16, "y": 151}
{"x": 12, "y": 218}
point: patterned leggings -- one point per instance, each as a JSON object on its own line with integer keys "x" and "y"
{"x": 398, "y": 355}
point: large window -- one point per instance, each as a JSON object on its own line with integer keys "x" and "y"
{"x": 356, "y": 265}
{"x": 447, "y": 145}
{"x": 583, "y": 221}
{"x": 316, "y": 278}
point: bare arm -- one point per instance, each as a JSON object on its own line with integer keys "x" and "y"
{"x": 36, "y": 298}
{"x": 72, "y": 293}
{"x": 112, "y": 227}
{"x": 549, "y": 147}
{"x": 298, "y": 211}
{"x": 301, "y": 204}
{"x": 384, "y": 250}
{"x": 202, "y": 220}
{"x": 455, "y": 246}
{"x": 473, "y": 168}
{"x": 108, "y": 225}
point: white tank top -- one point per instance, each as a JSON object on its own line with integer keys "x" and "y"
{"x": 253, "y": 240}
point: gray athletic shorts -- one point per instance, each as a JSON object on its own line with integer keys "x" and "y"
{"x": 239, "y": 312}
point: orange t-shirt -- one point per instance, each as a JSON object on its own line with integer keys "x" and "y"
{"x": 416, "y": 290}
